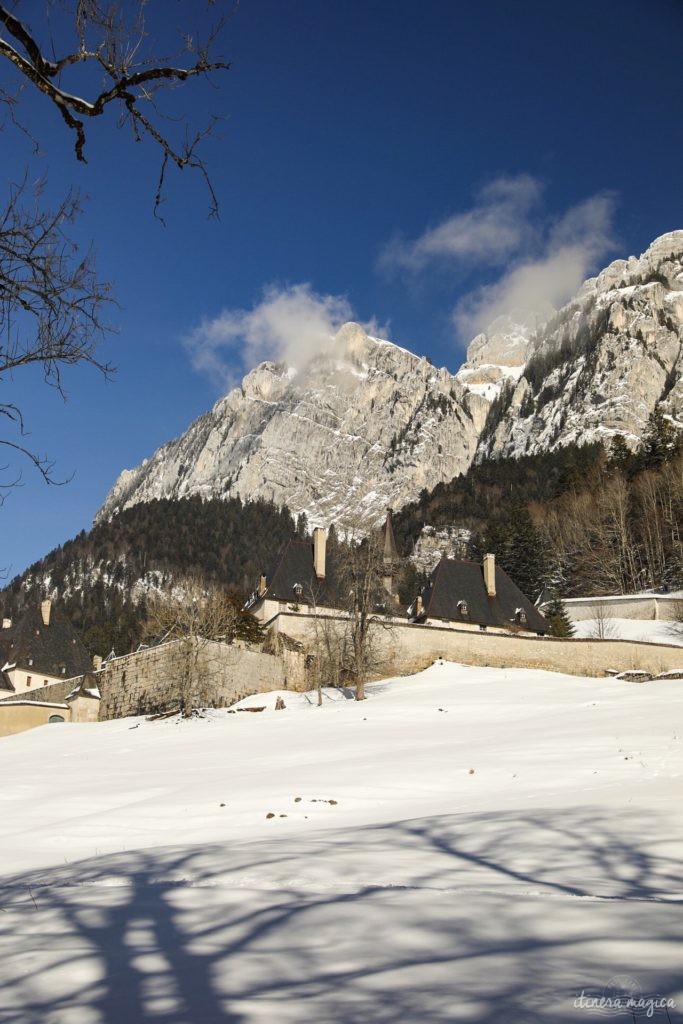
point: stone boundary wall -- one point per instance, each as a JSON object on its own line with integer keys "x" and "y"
{"x": 148, "y": 681}
{"x": 52, "y": 693}
{"x": 625, "y": 606}
{"x": 405, "y": 648}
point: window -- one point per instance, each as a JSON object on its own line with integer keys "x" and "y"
{"x": 298, "y": 590}
{"x": 55, "y": 718}
{"x": 28, "y": 680}
{"x": 30, "y": 661}
{"x": 521, "y": 617}
{"x": 463, "y": 609}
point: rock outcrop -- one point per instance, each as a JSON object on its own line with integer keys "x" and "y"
{"x": 368, "y": 424}
{"x": 603, "y": 363}
{"x": 365, "y": 426}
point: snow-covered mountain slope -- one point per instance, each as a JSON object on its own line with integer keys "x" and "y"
{"x": 365, "y": 426}
{"x": 368, "y": 424}
{"x": 604, "y": 362}
{"x": 469, "y": 844}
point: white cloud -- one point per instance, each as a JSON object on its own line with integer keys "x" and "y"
{"x": 573, "y": 246}
{"x": 498, "y": 225}
{"x": 290, "y": 324}
{"x": 545, "y": 259}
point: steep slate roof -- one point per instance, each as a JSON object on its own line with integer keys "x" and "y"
{"x": 453, "y": 581}
{"x": 294, "y": 565}
{"x": 50, "y": 647}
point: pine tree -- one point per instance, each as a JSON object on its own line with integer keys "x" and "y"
{"x": 620, "y": 455}
{"x": 661, "y": 441}
{"x": 556, "y": 615}
{"x": 302, "y": 526}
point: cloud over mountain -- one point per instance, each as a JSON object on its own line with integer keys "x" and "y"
{"x": 290, "y": 324}
{"x": 535, "y": 260}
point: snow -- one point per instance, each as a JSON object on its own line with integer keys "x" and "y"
{"x": 469, "y": 844}
{"x": 654, "y": 631}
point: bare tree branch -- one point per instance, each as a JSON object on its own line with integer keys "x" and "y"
{"x": 133, "y": 76}
{"x": 52, "y": 304}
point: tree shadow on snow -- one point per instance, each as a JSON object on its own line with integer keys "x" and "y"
{"x": 477, "y": 918}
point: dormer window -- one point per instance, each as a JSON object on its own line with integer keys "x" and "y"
{"x": 463, "y": 609}
{"x": 62, "y": 669}
{"x": 30, "y": 661}
{"x": 521, "y": 617}
{"x": 298, "y": 590}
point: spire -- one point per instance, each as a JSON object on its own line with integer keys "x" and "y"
{"x": 390, "y": 553}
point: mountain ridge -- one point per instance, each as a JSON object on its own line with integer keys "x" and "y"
{"x": 368, "y": 424}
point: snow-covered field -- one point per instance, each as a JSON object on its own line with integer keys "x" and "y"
{"x": 653, "y": 631}
{"x": 468, "y": 844}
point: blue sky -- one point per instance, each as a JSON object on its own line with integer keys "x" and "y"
{"x": 411, "y": 165}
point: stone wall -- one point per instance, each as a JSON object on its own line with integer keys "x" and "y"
{"x": 406, "y": 648}
{"x": 149, "y": 681}
{"x": 647, "y": 607}
{"x": 54, "y": 692}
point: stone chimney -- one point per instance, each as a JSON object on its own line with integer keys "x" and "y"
{"x": 96, "y": 662}
{"x": 45, "y": 609}
{"x": 319, "y": 545}
{"x": 490, "y": 574}
{"x": 6, "y": 623}
{"x": 418, "y": 606}
{"x": 262, "y": 584}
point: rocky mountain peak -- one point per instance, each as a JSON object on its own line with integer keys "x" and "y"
{"x": 604, "y": 362}
{"x": 365, "y": 424}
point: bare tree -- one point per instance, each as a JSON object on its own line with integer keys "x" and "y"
{"x": 603, "y": 628}
{"x": 130, "y": 76}
{"x": 51, "y": 303}
{"x": 192, "y": 617}
{"x": 675, "y": 625}
{"x": 368, "y": 606}
{"x": 330, "y": 643}
{"x": 89, "y": 58}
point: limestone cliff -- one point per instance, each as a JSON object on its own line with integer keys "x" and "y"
{"x": 366, "y": 425}
{"x": 603, "y": 363}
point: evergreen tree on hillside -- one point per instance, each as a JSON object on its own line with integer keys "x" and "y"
{"x": 662, "y": 440}
{"x": 100, "y": 578}
{"x": 518, "y": 546}
{"x": 302, "y": 526}
{"x": 620, "y": 455}
{"x": 411, "y": 582}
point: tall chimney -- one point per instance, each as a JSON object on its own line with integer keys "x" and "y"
{"x": 490, "y": 574}
{"x": 97, "y": 662}
{"x": 45, "y": 609}
{"x": 262, "y": 584}
{"x": 6, "y": 623}
{"x": 319, "y": 545}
